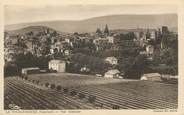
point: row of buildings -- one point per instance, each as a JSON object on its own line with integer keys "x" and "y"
{"x": 114, "y": 40}
{"x": 130, "y": 37}
{"x": 60, "y": 66}
{"x": 147, "y": 39}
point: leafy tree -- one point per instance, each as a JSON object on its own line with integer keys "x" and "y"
{"x": 10, "y": 69}
{"x": 58, "y": 88}
{"x": 20, "y": 43}
{"x": 29, "y": 60}
{"x": 138, "y": 68}
{"x": 52, "y": 86}
{"x": 95, "y": 64}
{"x": 92, "y": 99}
{"x": 98, "y": 31}
{"x": 81, "y": 95}
{"x": 167, "y": 56}
{"x": 169, "y": 53}
{"x": 42, "y": 62}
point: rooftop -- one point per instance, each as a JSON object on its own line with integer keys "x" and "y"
{"x": 31, "y": 68}
{"x": 56, "y": 61}
{"x": 113, "y": 71}
{"x": 111, "y": 58}
{"x": 152, "y": 75}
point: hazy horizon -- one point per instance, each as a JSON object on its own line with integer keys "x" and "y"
{"x": 91, "y": 18}
{"x": 31, "y": 14}
{"x": 113, "y": 22}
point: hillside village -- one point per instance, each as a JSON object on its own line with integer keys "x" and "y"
{"x": 120, "y": 54}
{"x": 81, "y": 57}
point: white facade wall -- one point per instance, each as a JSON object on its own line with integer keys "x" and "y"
{"x": 59, "y": 67}
{"x": 153, "y": 35}
{"x": 144, "y": 78}
{"x": 150, "y": 49}
{"x": 112, "y": 60}
{"x": 67, "y": 40}
{"x": 111, "y": 39}
{"x": 108, "y": 75}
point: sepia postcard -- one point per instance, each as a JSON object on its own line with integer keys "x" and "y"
{"x": 92, "y": 57}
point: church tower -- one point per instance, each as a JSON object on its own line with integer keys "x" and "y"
{"x": 106, "y": 30}
{"x": 98, "y": 31}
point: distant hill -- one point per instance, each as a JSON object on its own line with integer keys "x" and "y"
{"x": 34, "y": 29}
{"x": 113, "y": 22}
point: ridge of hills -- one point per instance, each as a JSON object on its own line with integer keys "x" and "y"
{"x": 114, "y": 22}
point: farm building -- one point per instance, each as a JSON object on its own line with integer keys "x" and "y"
{"x": 167, "y": 76}
{"x": 84, "y": 69}
{"x": 67, "y": 52}
{"x": 151, "y": 77}
{"x": 111, "y": 60}
{"x": 32, "y": 70}
{"x": 114, "y": 73}
{"x": 58, "y": 65}
{"x": 149, "y": 49}
{"x": 111, "y": 39}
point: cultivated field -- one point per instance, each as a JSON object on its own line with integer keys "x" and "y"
{"x": 87, "y": 92}
{"x": 72, "y": 80}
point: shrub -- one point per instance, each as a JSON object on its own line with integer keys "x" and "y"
{"x": 47, "y": 84}
{"x": 65, "y": 90}
{"x": 73, "y": 93}
{"x": 58, "y": 88}
{"x": 37, "y": 82}
{"x": 22, "y": 76}
{"x": 115, "y": 107}
{"x": 33, "y": 81}
{"x": 29, "y": 80}
{"x": 54, "y": 71}
{"x": 52, "y": 86}
{"x": 10, "y": 69}
{"x": 81, "y": 95}
{"x": 99, "y": 105}
{"x": 92, "y": 99}
{"x": 25, "y": 77}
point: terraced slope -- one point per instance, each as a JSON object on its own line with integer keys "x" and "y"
{"x": 125, "y": 95}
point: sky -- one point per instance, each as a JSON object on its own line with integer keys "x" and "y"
{"x": 14, "y": 14}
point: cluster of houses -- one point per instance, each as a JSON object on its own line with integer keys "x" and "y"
{"x": 57, "y": 65}
{"x": 60, "y": 67}
{"x": 64, "y": 43}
